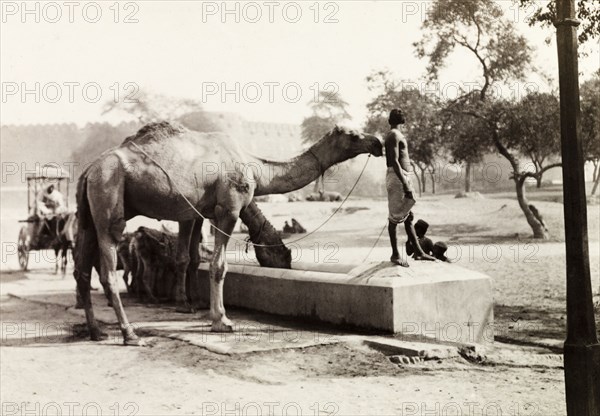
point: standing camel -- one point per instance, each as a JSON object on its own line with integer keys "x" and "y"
{"x": 171, "y": 173}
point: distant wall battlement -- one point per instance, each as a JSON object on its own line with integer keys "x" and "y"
{"x": 264, "y": 138}
{"x": 30, "y": 145}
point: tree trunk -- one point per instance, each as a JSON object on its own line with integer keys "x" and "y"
{"x": 539, "y": 182}
{"x": 423, "y": 180}
{"x": 595, "y": 177}
{"x": 432, "y": 183}
{"x": 536, "y": 226}
{"x": 595, "y": 187}
{"x": 417, "y": 177}
{"x": 468, "y": 177}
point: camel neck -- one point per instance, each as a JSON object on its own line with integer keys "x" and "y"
{"x": 278, "y": 177}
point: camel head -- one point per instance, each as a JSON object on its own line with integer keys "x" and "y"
{"x": 278, "y": 256}
{"x": 346, "y": 144}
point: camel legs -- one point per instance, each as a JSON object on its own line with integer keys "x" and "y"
{"x": 125, "y": 262}
{"x": 107, "y": 211}
{"x": 85, "y": 255}
{"x": 108, "y": 277}
{"x": 182, "y": 262}
{"x": 226, "y": 220}
{"x": 149, "y": 280}
{"x": 192, "y": 270}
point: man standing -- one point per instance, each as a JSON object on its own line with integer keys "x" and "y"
{"x": 400, "y": 190}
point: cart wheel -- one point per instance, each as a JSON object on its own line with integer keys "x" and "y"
{"x": 23, "y": 248}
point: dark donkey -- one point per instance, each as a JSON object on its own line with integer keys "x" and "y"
{"x": 66, "y": 230}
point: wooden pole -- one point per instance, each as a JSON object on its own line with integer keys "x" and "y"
{"x": 581, "y": 349}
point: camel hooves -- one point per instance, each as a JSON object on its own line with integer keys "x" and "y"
{"x": 133, "y": 341}
{"x": 185, "y": 308}
{"x": 98, "y": 335}
{"x": 152, "y": 301}
{"x": 222, "y": 326}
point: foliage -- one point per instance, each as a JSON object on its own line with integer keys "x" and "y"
{"x": 480, "y": 27}
{"x": 99, "y": 137}
{"x": 327, "y": 111}
{"x": 588, "y": 13}
{"x": 590, "y": 117}
{"x": 423, "y": 122}
{"x": 533, "y": 128}
{"x": 148, "y": 107}
{"x": 465, "y": 137}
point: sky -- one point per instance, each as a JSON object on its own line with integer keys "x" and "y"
{"x": 263, "y": 60}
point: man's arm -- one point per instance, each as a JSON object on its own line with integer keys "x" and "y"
{"x": 59, "y": 200}
{"x": 392, "y": 143}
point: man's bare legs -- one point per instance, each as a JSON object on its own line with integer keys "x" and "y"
{"x": 412, "y": 237}
{"x": 394, "y": 241}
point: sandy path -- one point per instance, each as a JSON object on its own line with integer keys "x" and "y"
{"x": 172, "y": 377}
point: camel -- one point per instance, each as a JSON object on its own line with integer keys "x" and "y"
{"x": 171, "y": 173}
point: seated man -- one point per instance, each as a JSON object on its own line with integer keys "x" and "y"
{"x": 49, "y": 201}
{"x": 426, "y": 243}
{"x": 287, "y": 228}
{"x": 439, "y": 251}
{"x": 297, "y": 227}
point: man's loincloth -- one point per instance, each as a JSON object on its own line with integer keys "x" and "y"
{"x": 398, "y": 205}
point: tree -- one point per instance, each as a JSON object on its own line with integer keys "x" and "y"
{"x": 480, "y": 27}
{"x": 327, "y": 111}
{"x": 149, "y": 107}
{"x": 477, "y": 26}
{"x": 423, "y": 124}
{"x": 588, "y": 13}
{"x": 590, "y": 124}
{"x": 465, "y": 138}
{"x": 535, "y": 124}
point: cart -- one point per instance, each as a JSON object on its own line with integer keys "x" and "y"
{"x": 41, "y": 230}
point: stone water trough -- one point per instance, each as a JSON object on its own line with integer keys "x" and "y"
{"x": 437, "y": 301}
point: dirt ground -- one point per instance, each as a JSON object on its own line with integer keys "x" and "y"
{"x": 48, "y": 363}
{"x": 45, "y": 366}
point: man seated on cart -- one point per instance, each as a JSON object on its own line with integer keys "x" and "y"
{"x": 46, "y": 218}
{"x": 49, "y": 201}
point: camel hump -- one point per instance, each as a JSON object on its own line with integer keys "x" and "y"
{"x": 156, "y": 132}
